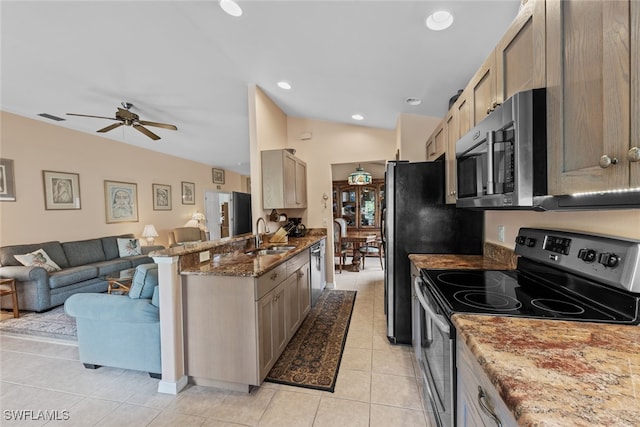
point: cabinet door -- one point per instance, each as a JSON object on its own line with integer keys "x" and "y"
{"x": 451, "y": 126}
{"x": 483, "y": 90}
{"x": 436, "y": 144}
{"x": 635, "y": 91}
{"x": 368, "y": 204}
{"x": 289, "y": 180}
{"x": 301, "y": 184}
{"x": 266, "y": 352}
{"x": 304, "y": 291}
{"x": 463, "y": 108}
{"x": 348, "y": 203}
{"x": 588, "y": 97}
{"x": 279, "y": 321}
{"x": 292, "y": 298}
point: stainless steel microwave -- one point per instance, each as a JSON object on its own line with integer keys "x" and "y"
{"x": 502, "y": 162}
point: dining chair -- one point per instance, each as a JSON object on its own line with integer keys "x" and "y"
{"x": 371, "y": 247}
{"x": 339, "y": 249}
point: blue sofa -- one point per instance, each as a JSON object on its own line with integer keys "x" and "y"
{"x": 84, "y": 264}
{"x": 121, "y": 331}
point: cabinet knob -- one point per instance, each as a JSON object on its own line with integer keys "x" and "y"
{"x": 493, "y": 106}
{"x": 273, "y": 276}
{"x": 606, "y": 161}
{"x": 634, "y": 154}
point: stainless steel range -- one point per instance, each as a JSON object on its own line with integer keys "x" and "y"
{"x": 560, "y": 275}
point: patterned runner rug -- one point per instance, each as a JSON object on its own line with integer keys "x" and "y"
{"x": 312, "y": 357}
{"x": 54, "y": 323}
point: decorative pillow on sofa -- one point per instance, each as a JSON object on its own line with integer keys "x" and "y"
{"x": 129, "y": 247}
{"x": 38, "y": 258}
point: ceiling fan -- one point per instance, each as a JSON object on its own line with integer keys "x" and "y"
{"x": 128, "y": 118}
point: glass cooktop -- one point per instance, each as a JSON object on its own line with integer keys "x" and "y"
{"x": 543, "y": 292}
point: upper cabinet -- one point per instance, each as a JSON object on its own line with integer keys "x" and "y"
{"x": 436, "y": 144}
{"x": 284, "y": 180}
{"x": 592, "y": 98}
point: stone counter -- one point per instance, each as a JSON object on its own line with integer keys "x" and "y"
{"x": 559, "y": 373}
{"x": 495, "y": 258}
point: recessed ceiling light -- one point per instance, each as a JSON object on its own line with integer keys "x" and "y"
{"x": 284, "y": 85}
{"x": 413, "y": 101}
{"x": 357, "y": 117}
{"x": 231, "y": 7}
{"x": 439, "y": 20}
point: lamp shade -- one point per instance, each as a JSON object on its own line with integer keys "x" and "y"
{"x": 149, "y": 231}
{"x": 359, "y": 177}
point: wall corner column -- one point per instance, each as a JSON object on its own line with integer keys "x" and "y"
{"x": 174, "y": 378}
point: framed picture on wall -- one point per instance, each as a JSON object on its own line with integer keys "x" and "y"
{"x": 188, "y": 193}
{"x": 7, "y": 183}
{"x": 61, "y": 190}
{"x": 121, "y": 201}
{"x": 161, "y": 197}
{"x": 218, "y": 176}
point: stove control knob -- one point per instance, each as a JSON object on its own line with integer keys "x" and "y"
{"x": 609, "y": 260}
{"x": 530, "y": 242}
{"x": 587, "y": 255}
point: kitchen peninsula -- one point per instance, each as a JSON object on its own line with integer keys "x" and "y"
{"x": 227, "y": 308}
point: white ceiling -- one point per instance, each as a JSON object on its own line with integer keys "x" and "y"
{"x": 190, "y": 64}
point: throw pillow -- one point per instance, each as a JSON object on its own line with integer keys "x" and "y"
{"x": 38, "y": 258}
{"x": 144, "y": 281}
{"x": 129, "y": 247}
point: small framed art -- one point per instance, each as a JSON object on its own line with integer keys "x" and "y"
{"x": 161, "y": 197}
{"x": 61, "y": 190}
{"x": 218, "y": 176}
{"x": 7, "y": 183}
{"x": 188, "y": 193}
{"x": 121, "y": 201}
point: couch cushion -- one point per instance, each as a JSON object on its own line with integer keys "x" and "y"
{"x": 110, "y": 245}
{"x": 111, "y": 308}
{"x": 38, "y": 258}
{"x": 84, "y": 252}
{"x": 144, "y": 280}
{"x": 111, "y": 267}
{"x": 155, "y": 299}
{"x": 139, "y": 259}
{"x": 72, "y": 275}
{"x": 53, "y": 249}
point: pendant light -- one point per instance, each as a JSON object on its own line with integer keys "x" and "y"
{"x": 359, "y": 177}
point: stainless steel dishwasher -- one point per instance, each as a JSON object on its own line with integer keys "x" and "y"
{"x": 317, "y": 270}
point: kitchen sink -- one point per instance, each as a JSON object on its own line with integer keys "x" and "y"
{"x": 269, "y": 251}
{"x": 284, "y": 248}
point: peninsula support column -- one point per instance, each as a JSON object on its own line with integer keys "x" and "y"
{"x": 171, "y": 332}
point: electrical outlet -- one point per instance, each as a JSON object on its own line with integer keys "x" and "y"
{"x": 204, "y": 256}
{"x": 501, "y": 233}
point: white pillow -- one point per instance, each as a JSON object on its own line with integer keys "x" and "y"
{"x": 129, "y": 247}
{"x": 38, "y": 258}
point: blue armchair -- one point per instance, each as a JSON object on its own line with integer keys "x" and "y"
{"x": 121, "y": 331}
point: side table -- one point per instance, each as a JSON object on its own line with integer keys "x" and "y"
{"x": 11, "y": 290}
{"x": 121, "y": 282}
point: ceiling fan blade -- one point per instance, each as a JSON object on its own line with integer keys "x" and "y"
{"x": 146, "y": 132}
{"x": 110, "y": 127}
{"x": 160, "y": 125}
{"x": 95, "y": 117}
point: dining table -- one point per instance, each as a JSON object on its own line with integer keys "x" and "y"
{"x": 357, "y": 239}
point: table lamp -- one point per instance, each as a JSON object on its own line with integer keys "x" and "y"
{"x": 150, "y": 233}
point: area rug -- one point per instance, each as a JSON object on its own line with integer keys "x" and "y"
{"x": 312, "y": 357}
{"x": 54, "y": 323}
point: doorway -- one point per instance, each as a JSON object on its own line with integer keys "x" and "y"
{"x": 217, "y": 206}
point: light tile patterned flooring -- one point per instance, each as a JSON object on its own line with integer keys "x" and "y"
{"x": 376, "y": 385}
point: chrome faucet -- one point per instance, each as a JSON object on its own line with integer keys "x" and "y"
{"x": 258, "y": 237}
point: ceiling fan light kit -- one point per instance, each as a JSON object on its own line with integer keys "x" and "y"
{"x": 128, "y": 118}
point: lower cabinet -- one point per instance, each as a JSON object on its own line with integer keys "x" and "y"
{"x": 235, "y": 328}
{"x": 478, "y": 402}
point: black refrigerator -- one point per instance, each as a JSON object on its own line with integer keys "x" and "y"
{"x": 416, "y": 220}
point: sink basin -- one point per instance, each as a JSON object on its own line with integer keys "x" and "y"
{"x": 267, "y": 252}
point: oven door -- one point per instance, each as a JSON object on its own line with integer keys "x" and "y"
{"x": 435, "y": 346}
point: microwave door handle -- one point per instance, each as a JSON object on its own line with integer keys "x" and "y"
{"x": 490, "y": 140}
{"x": 442, "y": 325}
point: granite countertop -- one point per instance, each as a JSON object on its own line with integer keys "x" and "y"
{"x": 239, "y": 264}
{"x": 559, "y": 373}
{"x": 458, "y": 262}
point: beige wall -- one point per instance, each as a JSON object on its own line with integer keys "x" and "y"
{"x": 35, "y": 146}
{"x": 412, "y": 132}
{"x": 623, "y": 223}
{"x": 342, "y": 171}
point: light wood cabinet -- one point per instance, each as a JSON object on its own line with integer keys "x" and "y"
{"x": 451, "y": 166}
{"x": 592, "y": 98}
{"x": 437, "y": 143}
{"x": 284, "y": 180}
{"x": 478, "y": 402}
{"x": 235, "y": 328}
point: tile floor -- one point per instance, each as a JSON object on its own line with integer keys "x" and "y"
{"x": 376, "y": 384}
